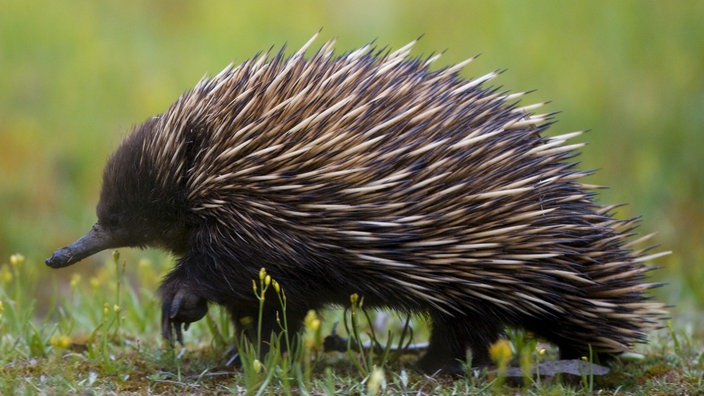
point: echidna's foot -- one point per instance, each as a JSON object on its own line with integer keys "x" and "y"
{"x": 180, "y": 307}
{"x": 450, "y": 339}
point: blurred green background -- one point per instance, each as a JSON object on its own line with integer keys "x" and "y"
{"x": 76, "y": 76}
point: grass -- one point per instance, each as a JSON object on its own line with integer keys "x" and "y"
{"x": 102, "y": 336}
{"x": 77, "y": 76}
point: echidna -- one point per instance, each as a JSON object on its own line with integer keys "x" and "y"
{"x": 370, "y": 173}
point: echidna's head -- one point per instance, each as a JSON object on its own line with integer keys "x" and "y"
{"x": 135, "y": 209}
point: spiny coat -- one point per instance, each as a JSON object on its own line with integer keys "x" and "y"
{"x": 370, "y": 173}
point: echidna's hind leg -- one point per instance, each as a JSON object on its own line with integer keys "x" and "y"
{"x": 556, "y": 333}
{"x": 450, "y": 338}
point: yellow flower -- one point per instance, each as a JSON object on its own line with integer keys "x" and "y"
{"x": 16, "y": 260}
{"x": 376, "y": 381}
{"x": 262, "y": 274}
{"x": 75, "y": 280}
{"x": 5, "y": 275}
{"x": 60, "y": 341}
{"x": 315, "y": 325}
{"x": 115, "y": 255}
{"x": 311, "y": 321}
{"x": 116, "y": 308}
{"x": 94, "y": 282}
{"x": 500, "y": 352}
{"x": 277, "y": 288}
{"x": 267, "y": 280}
{"x": 106, "y": 309}
{"x": 354, "y": 297}
{"x": 257, "y": 366}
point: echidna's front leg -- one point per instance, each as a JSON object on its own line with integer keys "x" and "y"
{"x": 180, "y": 307}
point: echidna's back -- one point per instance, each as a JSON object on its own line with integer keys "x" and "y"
{"x": 412, "y": 178}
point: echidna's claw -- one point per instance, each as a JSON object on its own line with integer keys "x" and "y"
{"x": 178, "y": 311}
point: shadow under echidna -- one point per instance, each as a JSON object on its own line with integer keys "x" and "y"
{"x": 370, "y": 173}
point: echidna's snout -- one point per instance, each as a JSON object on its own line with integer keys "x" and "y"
{"x": 94, "y": 241}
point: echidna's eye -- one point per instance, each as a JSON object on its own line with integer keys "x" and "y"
{"x": 110, "y": 221}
